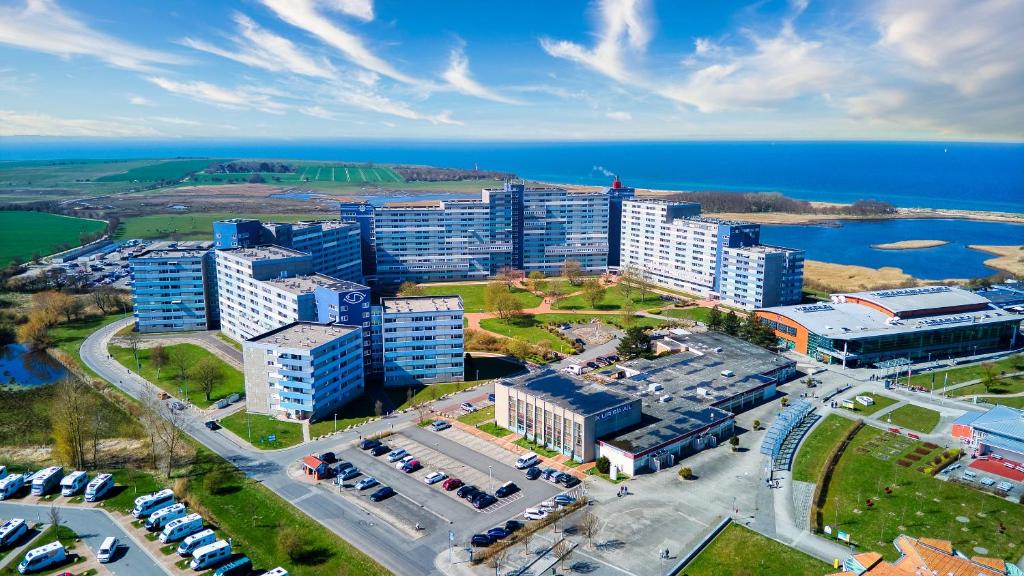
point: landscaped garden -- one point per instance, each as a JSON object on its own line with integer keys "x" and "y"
{"x": 880, "y": 403}
{"x": 740, "y": 550}
{"x": 816, "y": 447}
{"x": 612, "y": 298}
{"x": 473, "y": 295}
{"x": 914, "y": 417}
{"x": 177, "y": 373}
{"x": 527, "y": 328}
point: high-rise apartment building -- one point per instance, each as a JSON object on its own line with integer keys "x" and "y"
{"x": 421, "y": 340}
{"x": 760, "y": 276}
{"x": 616, "y": 194}
{"x": 171, "y": 287}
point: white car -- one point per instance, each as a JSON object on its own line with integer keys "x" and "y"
{"x": 548, "y": 506}
{"x": 534, "y": 514}
{"x": 1004, "y": 486}
{"x": 396, "y": 455}
{"x": 467, "y": 407}
{"x": 987, "y": 481}
{"x": 405, "y": 460}
{"x": 434, "y": 477}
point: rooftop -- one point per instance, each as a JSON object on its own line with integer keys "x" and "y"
{"x": 927, "y": 556}
{"x": 176, "y": 249}
{"x": 569, "y": 392}
{"x": 765, "y": 249}
{"x": 303, "y": 335}
{"x": 309, "y": 283}
{"x": 268, "y": 252}
{"x": 421, "y": 304}
{"x": 901, "y": 300}
{"x": 665, "y": 422}
{"x": 1001, "y": 420}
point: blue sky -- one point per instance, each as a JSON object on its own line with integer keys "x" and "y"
{"x": 525, "y": 70}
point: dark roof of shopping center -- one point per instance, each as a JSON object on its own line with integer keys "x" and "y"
{"x": 569, "y": 392}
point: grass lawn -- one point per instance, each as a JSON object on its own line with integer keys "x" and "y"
{"x": 228, "y": 340}
{"x": 1010, "y": 364}
{"x": 232, "y": 381}
{"x": 541, "y": 450}
{"x": 739, "y": 550}
{"x": 814, "y": 450}
{"x": 612, "y": 299}
{"x": 130, "y": 485}
{"x": 919, "y": 505}
{"x": 401, "y": 399}
{"x": 698, "y": 313}
{"x": 613, "y": 319}
{"x": 493, "y": 429}
{"x": 288, "y": 433}
{"x": 1008, "y": 385}
{"x": 473, "y": 295}
{"x": 69, "y": 337}
{"x": 23, "y": 234}
{"x": 197, "y": 226}
{"x": 914, "y": 417}
{"x": 880, "y": 402}
{"x": 479, "y": 417}
{"x": 66, "y": 536}
{"x": 525, "y": 327}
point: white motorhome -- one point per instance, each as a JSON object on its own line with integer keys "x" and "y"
{"x": 11, "y": 485}
{"x": 73, "y": 483}
{"x": 3, "y": 471}
{"x": 98, "y": 486}
{"x": 196, "y": 541}
{"x": 42, "y": 557}
{"x": 179, "y": 528}
{"x": 210, "y": 555}
{"x": 47, "y": 480}
{"x": 12, "y": 531}
{"x": 146, "y": 505}
{"x": 157, "y": 520}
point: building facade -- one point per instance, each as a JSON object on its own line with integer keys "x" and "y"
{"x": 303, "y": 370}
{"x": 616, "y": 194}
{"x": 759, "y": 276}
{"x": 172, "y": 284}
{"x": 421, "y": 340}
{"x": 248, "y": 306}
{"x": 999, "y": 432}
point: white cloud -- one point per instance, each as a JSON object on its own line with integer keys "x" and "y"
{"x": 241, "y": 98}
{"x": 370, "y": 100}
{"x": 137, "y": 100}
{"x": 459, "y": 77}
{"x": 261, "y": 48}
{"x": 304, "y": 14}
{"x": 41, "y": 25}
{"x": 702, "y": 46}
{"x": 176, "y": 121}
{"x": 14, "y": 123}
{"x": 362, "y": 9}
{"x": 318, "y": 112}
{"x": 619, "y": 115}
{"x": 622, "y": 23}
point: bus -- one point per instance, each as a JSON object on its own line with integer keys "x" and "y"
{"x": 210, "y": 555}
{"x": 10, "y": 486}
{"x": 42, "y": 557}
{"x": 181, "y": 527}
{"x": 157, "y": 520}
{"x": 73, "y": 483}
{"x": 98, "y": 486}
{"x": 12, "y": 531}
{"x": 146, "y": 505}
{"x": 47, "y": 480}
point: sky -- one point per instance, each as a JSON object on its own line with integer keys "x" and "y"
{"x": 513, "y": 70}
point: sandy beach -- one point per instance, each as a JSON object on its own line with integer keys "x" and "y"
{"x": 910, "y": 244}
{"x": 1009, "y": 258}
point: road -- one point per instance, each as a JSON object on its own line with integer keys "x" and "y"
{"x": 386, "y": 544}
{"x": 92, "y": 526}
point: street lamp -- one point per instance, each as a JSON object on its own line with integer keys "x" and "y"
{"x": 489, "y": 478}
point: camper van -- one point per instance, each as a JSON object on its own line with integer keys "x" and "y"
{"x": 157, "y": 520}
{"x": 210, "y": 555}
{"x": 196, "y": 541}
{"x": 10, "y": 486}
{"x": 108, "y": 549}
{"x": 47, "y": 480}
{"x": 73, "y": 483}
{"x": 12, "y": 531}
{"x": 848, "y": 404}
{"x": 179, "y": 528}
{"x": 42, "y": 557}
{"x": 240, "y": 567}
{"x": 527, "y": 460}
{"x": 98, "y": 486}
{"x": 146, "y": 505}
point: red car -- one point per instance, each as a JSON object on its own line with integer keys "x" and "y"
{"x": 451, "y": 484}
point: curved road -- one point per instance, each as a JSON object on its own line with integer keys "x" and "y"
{"x": 92, "y": 526}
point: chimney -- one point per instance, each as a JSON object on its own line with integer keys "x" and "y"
{"x": 617, "y": 183}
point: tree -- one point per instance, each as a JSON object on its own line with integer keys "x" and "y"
{"x": 588, "y": 526}
{"x": 164, "y": 426}
{"x": 635, "y": 343}
{"x": 757, "y": 424}
{"x": 54, "y": 516}
{"x": 180, "y": 360}
{"x": 509, "y": 276}
{"x": 208, "y": 374}
{"x": 628, "y": 313}
{"x": 731, "y": 324}
{"x": 534, "y": 280}
{"x": 69, "y": 415}
{"x": 410, "y": 289}
{"x": 499, "y": 300}
{"x": 644, "y": 286}
{"x": 627, "y": 280}
{"x": 989, "y": 378}
{"x": 685, "y": 473}
{"x": 296, "y": 544}
{"x": 158, "y": 358}
{"x": 603, "y": 464}
{"x": 218, "y": 480}
{"x": 378, "y": 408}
{"x": 592, "y": 291}
{"x": 134, "y": 341}
{"x": 106, "y": 299}
{"x": 36, "y": 332}
{"x": 573, "y": 272}
{"x": 562, "y": 550}
{"x": 715, "y": 319}
{"x": 498, "y": 558}
{"x": 517, "y": 348}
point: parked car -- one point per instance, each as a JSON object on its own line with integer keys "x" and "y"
{"x": 498, "y": 533}
{"x": 467, "y": 492}
{"x": 535, "y": 514}
{"x": 365, "y": 483}
{"x": 987, "y": 481}
{"x": 108, "y": 550}
{"x": 612, "y": 358}
{"x": 380, "y": 449}
{"x": 568, "y": 480}
{"x": 411, "y": 466}
{"x": 405, "y": 460}
{"x": 341, "y": 466}
{"x": 532, "y": 473}
{"x": 549, "y": 474}
{"x": 434, "y": 477}
{"x": 1004, "y": 486}
{"x": 349, "y": 473}
{"x": 397, "y": 454}
{"x": 593, "y": 365}
{"x": 451, "y": 484}
{"x": 328, "y": 457}
{"x": 513, "y": 525}
{"x": 212, "y": 425}
{"x": 563, "y": 500}
{"x": 481, "y": 540}
{"x": 383, "y": 493}
{"x": 506, "y": 489}
{"x": 483, "y": 500}
{"x": 490, "y": 397}
{"x": 369, "y": 444}
{"x": 467, "y": 407}
{"x": 439, "y": 425}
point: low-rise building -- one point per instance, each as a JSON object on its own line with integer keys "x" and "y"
{"x": 421, "y": 340}
{"x": 925, "y": 556}
{"x": 173, "y": 287}
{"x": 997, "y": 432}
{"x": 303, "y": 370}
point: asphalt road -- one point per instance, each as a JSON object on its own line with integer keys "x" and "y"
{"x": 93, "y": 526}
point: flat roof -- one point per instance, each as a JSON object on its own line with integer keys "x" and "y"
{"x": 310, "y": 282}
{"x": 1002, "y": 420}
{"x": 920, "y": 298}
{"x": 764, "y": 249}
{"x": 421, "y": 304}
{"x": 267, "y": 252}
{"x": 575, "y": 394}
{"x": 175, "y": 249}
{"x": 303, "y": 334}
{"x": 665, "y": 422}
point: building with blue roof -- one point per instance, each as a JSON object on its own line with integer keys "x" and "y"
{"x": 999, "y": 432}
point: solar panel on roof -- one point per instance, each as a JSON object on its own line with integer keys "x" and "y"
{"x": 815, "y": 308}
{"x": 911, "y": 291}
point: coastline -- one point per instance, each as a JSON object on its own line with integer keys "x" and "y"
{"x": 831, "y": 277}
{"x": 1008, "y": 258}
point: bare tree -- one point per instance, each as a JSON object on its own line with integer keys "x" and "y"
{"x": 208, "y": 374}
{"x": 158, "y": 358}
{"x": 588, "y": 526}
{"x": 561, "y": 550}
{"x": 164, "y": 425}
{"x": 378, "y": 408}
{"x": 644, "y": 286}
{"x": 106, "y": 299}
{"x": 181, "y": 360}
{"x": 410, "y": 289}
{"x": 592, "y": 291}
{"x": 573, "y": 272}
{"x": 497, "y": 560}
{"x": 134, "y": 341}
{"x": 509, "y": 275}
{"x": 54, "y": 516}
{"x": 627, "y": 280}
{"x": 70, "y": 413}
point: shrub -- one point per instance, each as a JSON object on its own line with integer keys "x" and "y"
{"x": 217, "y": 481}
{"x": 296, "y": 544}
{"x": 603, "y": 465}
{"x": 685, "y": 473}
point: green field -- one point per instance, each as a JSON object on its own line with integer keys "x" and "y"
{"x": 880, "y": 402}
{"x": 1008, "y": 385}
{"x": 197, "y": 226}
{"x": 232, "y": 382}
{"x": 53, "y": 179}
{"x": 23, "y": 234}
{"x": 697, "y": 314}
{"x": 336, "y": 174}
{"x": 952, "y": 376}
{"x": 527, "y": 328}
{"x": 914, "y": 417}
{"x": 816, "y": 447}
{"x": 919, "y": 505}
{"x": 611, "y": 299}
{"x": 739, "y": 551}
{"x": 160, "y": 171}
{"x": 288, "y": 433}
{"x": 473, "y": 295}
{"x": 613, "y": 319}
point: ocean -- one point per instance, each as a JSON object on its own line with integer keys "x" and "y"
{"x": 955, "y": 175}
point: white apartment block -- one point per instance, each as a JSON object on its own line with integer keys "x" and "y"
{"x": 250, "y": 305}
{"x": 761, "y": 276}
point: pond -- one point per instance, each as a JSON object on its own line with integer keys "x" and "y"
{"x": 22, "y": 367}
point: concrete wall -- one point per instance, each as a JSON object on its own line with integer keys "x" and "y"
{"x": 257, "y": 390}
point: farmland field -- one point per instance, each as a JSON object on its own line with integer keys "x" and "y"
{"x": 23, "y": 234}
{"x": 336, "y": 174}
{"x": 52, "y": 179}
{"x": 195, "y": 226}
{"x": 163, "y": 170}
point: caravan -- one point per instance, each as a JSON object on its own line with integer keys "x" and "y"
{"x": 11, "y": 485}
{"x": 181, "y": 527}
{"x": 47, "y": 480}
{"x": 3, "y": 471}
{"x": 146, "y": 505}
{"x": 239, "y": 567}
{"x": 12, "y": 531}
{"x": 42, "y": 557}
{"x": 210, "y": 555}
{"x": 196, "y": 541}
{"x": 98, "y": 486}
{"x": 157, "y": 520}
{"x": 73, "y": 483}
{"x": 279, "y": 571}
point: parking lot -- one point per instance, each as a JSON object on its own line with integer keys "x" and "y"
{"x": 987, "y": 475}
{"x": 107, "y": 266}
